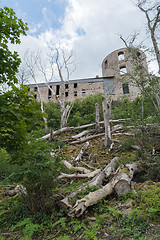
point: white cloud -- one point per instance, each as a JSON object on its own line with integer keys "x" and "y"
{"x": 91, "y": 28}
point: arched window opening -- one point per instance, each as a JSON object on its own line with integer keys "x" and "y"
{"x": 138, "y": 54}
{"x": 123, "y": 70}
{"x": 106, "y": 64}
{"x": 121, "y": 56}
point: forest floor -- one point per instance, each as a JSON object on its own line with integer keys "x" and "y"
{"x": 135, "y": 216}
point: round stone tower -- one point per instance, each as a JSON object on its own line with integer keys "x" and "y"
{"x": 121, "y": 65}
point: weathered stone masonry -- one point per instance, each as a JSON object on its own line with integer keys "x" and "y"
{"x": 74, "y": 88}
{"x": 116, "y": 68}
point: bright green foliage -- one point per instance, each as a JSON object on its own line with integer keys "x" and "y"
{"x": 84, "y": 112}
{"x": 28, "y": 228}
{"x": 53, "y": 115}
{"x": 132, "y": 109}
{"x": 133, "y": 227}
{"x": 5, "y": 167}
{"x": 10, "y": 30}
{"x": 18, "y": 113}
{"x": 149, "y": 201}
{"x": 38, "y": 174}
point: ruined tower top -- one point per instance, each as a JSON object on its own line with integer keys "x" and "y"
{"x": 121, "y": 62}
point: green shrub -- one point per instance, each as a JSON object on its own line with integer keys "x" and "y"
{"x": 84, "y": 112}
{"x": 37, "y": 172}
{"x": 53, "y": 115}
{"x": 5, "y": 167}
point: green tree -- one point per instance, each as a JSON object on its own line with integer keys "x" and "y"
{"x": 18, "y": 113}
{"x": 84, "y": 112}
{"x": 10, "y": 30}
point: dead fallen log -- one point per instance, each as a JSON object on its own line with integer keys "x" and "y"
{"x": 83, "y": 149}
{"x": 81, "y": 134}
{"x": 96, "y": 181}
{"x": 120, "y": 134}
{"x": 17, "y": 190}
{"x": 72, "y": 168}
{"x": 76, "y": 175}
{"x": 107, "y": 172}
{"x": 70, "y": 129}
{"x": 82, "y": 140}
{"x": 120, "y": 183}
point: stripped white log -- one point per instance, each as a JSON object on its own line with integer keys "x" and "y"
{"x": 96, "y": 181}
{"x": 81, "y": 134}
{"x": 120, "y": 183}
{"x": 82, "y": 140}
{"x": 46, "y": 137}
{"x": 83, "y": 149}
{"x": 120, "y": 134}
{"x": 117, "y": 127}
{"x": 111, "y": 167}
{"x": 85, "y": 175}
{"x": 72, "y": 168}
{"x": 90, "y": 199}
{"x": 108, "y": 171}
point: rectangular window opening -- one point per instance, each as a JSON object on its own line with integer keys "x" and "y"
{"x": 49, "y": 93}
{"x": 75, "y": 85}
{"x": 83, "y": 93}
{"x": 75, "y": 93}
{"x": 125, "y": 87}
{"x": 66, "y": 86}
{"x": 66, "y": 94}
{"x": 57, "y": 90}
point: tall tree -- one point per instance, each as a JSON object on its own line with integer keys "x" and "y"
{"x": 56, "y": 65}
{"x": 152, "y": 13}
{"x": 10, "y": 30}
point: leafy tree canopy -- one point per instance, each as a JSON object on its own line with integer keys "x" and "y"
{"x": 10, "y": 30}
{"x": 18, "y": 113}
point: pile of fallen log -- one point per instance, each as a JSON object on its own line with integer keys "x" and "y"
{"x": 89, "y": 134}
{"x": 110, "y": 179}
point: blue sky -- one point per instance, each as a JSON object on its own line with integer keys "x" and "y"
{"x": 44, "y": 14}
{"x": 90, "y": 27}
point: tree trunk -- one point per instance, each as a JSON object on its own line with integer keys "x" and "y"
{"x": 106, "y": 113}
{"x": 97, "y": 116}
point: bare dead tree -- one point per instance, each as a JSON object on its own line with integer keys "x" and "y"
{"x": 141, "y": 78}
{"x": 30, "y": 59}
{"x": 57, "y": 64}
{"x": 23, "y": 75}
{"x": 107, "y": 117}
{"x": 63, "y": 61}
{"x": 152, "y": 14}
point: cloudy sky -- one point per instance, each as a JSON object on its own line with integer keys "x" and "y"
{"x": 90, "y": 27}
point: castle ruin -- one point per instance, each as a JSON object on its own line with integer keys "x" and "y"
{"x": 116, "y": 69}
